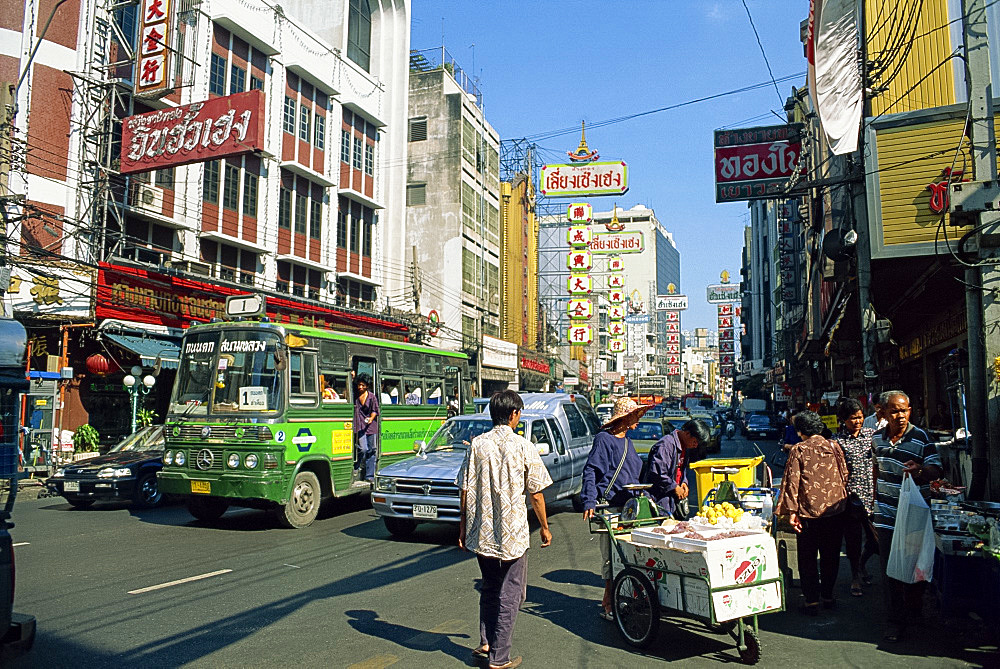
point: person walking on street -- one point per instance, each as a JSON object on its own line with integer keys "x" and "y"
{"x": 901, "y": 449}
{"x": 814, "y": 496}
{"x": 611, "y": 465}
{"x": 856, "y": 441}
{"x": 366, "y": 412}
{"x": 500, "y": 467}
{"x": 669, "y": 461}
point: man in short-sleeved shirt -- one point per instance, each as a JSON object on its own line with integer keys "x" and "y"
{"x": 900, "y": 448}
{"x": 500, "y": 467}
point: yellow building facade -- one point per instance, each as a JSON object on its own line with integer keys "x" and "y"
{"x": 518, "y": 263}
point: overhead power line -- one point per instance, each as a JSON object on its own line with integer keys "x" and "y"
{"x": 766, "y": 62}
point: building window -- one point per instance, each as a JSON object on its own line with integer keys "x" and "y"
{"x": 217, "y": 75}
{"x": 288, "y": 122}
{"x": 366, "y": 243}
{"x": 355, "y": 228}
{"x": 320, "y": 137}
{"x": 165, "y": 177}
{"x": 345, "y": 146}
{"x": 250, "y": 194}
{"x": 469, "y": 205}
{"x": 285, "y": 208}
{"x": 301, "y": 201}
{"x": 256, "y": 83}
{"x": 369, "y": 159}
{"x": 304, "y": 130}
{"x": 211, "y": 188}
{"x": 342, "y": 214}
{"x": 231, "y": 192}
{"x": 316, "y": 220}
{"x": 357, "y": 153}
{"x": 469, "y": 266}
{"x": 418, "y": 129}
{"x": 416, "y": 194}
{"x": 492, "y": 223}
{"x": 359, "y": 33}
{"x": 470, "y": 141}
{"x": 237, "y": 80}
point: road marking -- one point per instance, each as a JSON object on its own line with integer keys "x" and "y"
{"x": 178, "y": 582}
{"x": 433, "y": 636}
{"x": 377, "y": 662}
{"x": 23, "y": 543}
{"x": 291, "y": 565}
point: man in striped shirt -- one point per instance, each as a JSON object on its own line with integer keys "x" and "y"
{"x": 901, "y": 449}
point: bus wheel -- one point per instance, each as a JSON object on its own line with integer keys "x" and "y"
{"x": 207, "y": 509}
{"x": 303, "y": 504}
{"x": 399, "y": 527}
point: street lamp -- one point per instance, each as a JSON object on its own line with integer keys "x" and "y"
{"x": 135, "y": 388}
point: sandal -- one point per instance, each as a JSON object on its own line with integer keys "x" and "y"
{"x": 514, "y": 662}
{"x": 481, "y": 653}
{"x": 856, "y": 591}
{"x": 607, "y": 615}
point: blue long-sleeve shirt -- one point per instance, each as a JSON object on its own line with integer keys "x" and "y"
{"x": 602, "y": 462}
{"x": 664, "y": 458}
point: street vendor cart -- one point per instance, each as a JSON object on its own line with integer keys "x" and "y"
{"x": 723, "y": 578}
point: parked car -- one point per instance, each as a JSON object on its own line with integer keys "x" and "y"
{"x": 423, "y": 489}
{"x": 127, "y": 472}
{"x": 745, "y": 420}
{"x": 760, "y": 425}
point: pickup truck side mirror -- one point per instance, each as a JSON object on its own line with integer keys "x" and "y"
{"x": 543, "y": 448}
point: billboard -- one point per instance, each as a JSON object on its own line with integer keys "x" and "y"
{"x": 580, "y": 334}
{"x": 598, "y": 178}
{"x": 578, "y": 235}
{"x": 671, "y": 302}
{"x": 617, "y": 242}
{"x": 580, "y": 212}
{"x": 193, "y": 133}
{"x": 580, "y": 308}
{"x": 724, "y": 292}
{"x": 755, "y": 163}
{"x": 152, "y": 57}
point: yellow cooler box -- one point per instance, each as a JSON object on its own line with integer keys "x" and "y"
{"x": 708, "y": 473}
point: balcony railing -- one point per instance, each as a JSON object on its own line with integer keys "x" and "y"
{"x": 428, "y": 60}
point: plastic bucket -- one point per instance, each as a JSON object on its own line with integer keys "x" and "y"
{"x": 745, "y": 475}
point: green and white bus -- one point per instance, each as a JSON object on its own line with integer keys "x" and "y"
{"x": 261, "y": 414}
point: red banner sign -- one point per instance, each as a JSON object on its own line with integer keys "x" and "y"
{"x": 755, "y": 163}
{"x": 142, "y": 296}
{"x": 193, "y": 133}
{"x": 534, "y": 365}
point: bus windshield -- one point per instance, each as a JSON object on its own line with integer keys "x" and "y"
{"x": 230, "y": 373}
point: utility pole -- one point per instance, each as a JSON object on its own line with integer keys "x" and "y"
{"x": 415, "y": 281}
{"x": 7, "y": 103}
{"x": 983, "y": 281}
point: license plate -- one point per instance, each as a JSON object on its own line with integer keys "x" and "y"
{"x": 102, "y": 485}
{"x": 425, "y": 511}
{"x": 71, "y": 486}
{"x": 201, "y": 487}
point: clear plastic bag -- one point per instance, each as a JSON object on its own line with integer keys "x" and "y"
{"x": 911, "y": 555}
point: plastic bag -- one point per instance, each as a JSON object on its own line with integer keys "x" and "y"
{"x": 911, "y": 555}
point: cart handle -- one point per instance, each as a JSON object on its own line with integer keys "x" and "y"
{"x": 725, "y": 470}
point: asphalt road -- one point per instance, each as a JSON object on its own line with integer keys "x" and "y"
{"x": 108, "y": 588}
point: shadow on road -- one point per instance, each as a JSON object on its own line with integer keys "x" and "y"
{"x": 574, "y": 577}
{"x": 367, "y": 622}
{"x": 431, "y": 534}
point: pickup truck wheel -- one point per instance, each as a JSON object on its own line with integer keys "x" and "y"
{"x": 78, "y": 503}
{"x": 207, "y": 509}
{"x": 302, "y": 506}
{"x": 577, "y": 500}
{"x": 399, "y": 527}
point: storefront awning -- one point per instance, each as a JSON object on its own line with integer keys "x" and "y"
{"x": 148, "y": 348}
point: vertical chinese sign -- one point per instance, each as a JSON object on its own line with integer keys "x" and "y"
{"x": 153, "y": 51}
{"x": 671, "y": 305}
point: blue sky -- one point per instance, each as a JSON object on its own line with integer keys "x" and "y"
{"x": 548, "y": 65}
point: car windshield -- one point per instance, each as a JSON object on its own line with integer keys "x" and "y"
{"x": 759, "y": 420}
{"x": 458, "y": 434}
{"x": 236, "y": 372}
{"x": 645, "y": 431}
{"x": 678, "y": 423}
{"x": 147, "y": 439}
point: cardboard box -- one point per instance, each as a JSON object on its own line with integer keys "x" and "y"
{"x": 739, "y": 561}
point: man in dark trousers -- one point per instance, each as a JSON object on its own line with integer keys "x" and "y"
{"x": 669, "y": 460}
{"x": 499, "y": 468}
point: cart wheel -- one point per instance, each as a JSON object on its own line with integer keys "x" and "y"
{"x": 750, "y": 654}
{"x": 636, "y": 608}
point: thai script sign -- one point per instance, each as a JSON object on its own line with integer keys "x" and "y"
{"x": 579, "y": 284}
{"x": 193, "y": 133}
{"x": 755, "y": 163}
{"x": 617, "y": 242}
{"x": 652, "y": 384}
{"x": 580, "y": 212}
{"x": 637, "y": 319}
{"x": 671, "y": 302}
{"x": 724, "y": 292}
{"x": 579, "y": 235}
{"x": 600, "y": 178}
{"x": 152, "y": 56}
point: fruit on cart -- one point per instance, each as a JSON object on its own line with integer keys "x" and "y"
{"x": 723, "y": 514}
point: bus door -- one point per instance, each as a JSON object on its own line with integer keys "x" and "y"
{"x": 453, "y": 390}
{"x": 362, "y": 365}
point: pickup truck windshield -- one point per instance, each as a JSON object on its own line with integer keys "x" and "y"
{"x": 230, "y": 373}
{"x": 458, "y": 434}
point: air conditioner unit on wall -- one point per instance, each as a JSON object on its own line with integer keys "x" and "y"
{"x": 148, "y": 198}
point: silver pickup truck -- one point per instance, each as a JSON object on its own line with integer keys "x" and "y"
{"x": 424, "y": 489}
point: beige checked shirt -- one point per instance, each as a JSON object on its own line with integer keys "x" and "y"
{"x": 499, "y": 468}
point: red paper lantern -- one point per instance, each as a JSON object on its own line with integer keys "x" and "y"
{"x": 98, "y": 365}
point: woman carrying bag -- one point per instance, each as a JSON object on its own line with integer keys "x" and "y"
{"x": 814, "y": 496}
{"x": 856, "y": 441}
{"x": 611, "y": 465}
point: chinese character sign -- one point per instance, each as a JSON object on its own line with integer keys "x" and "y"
{"x": 616, "y": 345}
{"x": 725, "y": 322}
{"x": 580, "y": 212}
{"x": 579, "y": 235}
{"x": 673, "y": 359}
{"x": 673, "y": 338}
{"x": 578, "y": 308}
{"x": 673, "y": 370}
{"x": 580, "y": 284}
{"x": 152, "y": 61}
{"x": 671, "y": 316}
{"x": 726, "y": 347}
{"x": 580, "y": 334}
{"x": 616, "y": 312}
{"x": 616, "y": 329}
{"x": 672, "y": 327}
{"x": 616, "y": 281}
{"x": 725, "y": 334}
{"x": 672, "y": 348}
{"x": 725, "y": 310}
{"x": 616, "y": 296}
{"x": 616, "y": 264}
{"x": 580, "y": 261}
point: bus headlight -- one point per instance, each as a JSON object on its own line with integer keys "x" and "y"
{"x": 233, "y": 460}
{"x": 250, "y": 461}
{"x": 180, "y": 458}
{"x": 168, "y": 458}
